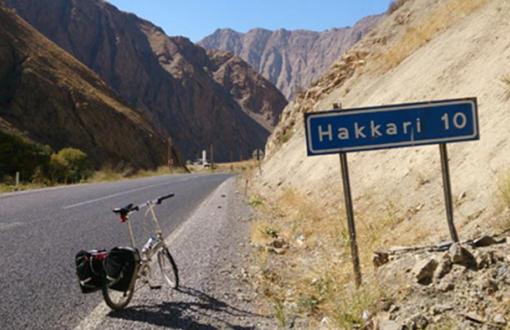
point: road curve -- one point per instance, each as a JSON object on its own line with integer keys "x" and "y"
{"x": 41, "y": 231}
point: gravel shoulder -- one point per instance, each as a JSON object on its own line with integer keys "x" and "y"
{"x": 212, "y": 252}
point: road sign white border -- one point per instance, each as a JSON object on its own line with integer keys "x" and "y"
{"x": 471, "y": 101}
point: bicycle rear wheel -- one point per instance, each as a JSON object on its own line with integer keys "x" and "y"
{"x": 117, "y": 300}
{"x": 168, "y": 267}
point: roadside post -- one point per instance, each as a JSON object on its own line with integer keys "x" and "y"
{"x": 170, "y": 160}
{"x": 258, "y": 155}
{"x": 391, "y": 126}
{"x": 350, "y": 219}
{"x": 211, "y": 147}
{"x": 445, "y": 170}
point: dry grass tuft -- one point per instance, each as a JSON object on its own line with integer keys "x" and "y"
{"x": 7, "y": 188}
{"x": 506, "y": 84}
{"x": 109, "y": 174}
{"x": 504, "y": 190}
{"x": 313, "y": 278}
{"x": 426, "y": 29}
{"x": 503, "y": 203}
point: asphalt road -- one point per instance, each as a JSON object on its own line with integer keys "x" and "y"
{"x": 41, "y": 231}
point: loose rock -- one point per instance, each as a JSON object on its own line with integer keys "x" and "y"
{"x": 484, "y": 241}
{"x": 473, "y": 317}
{"x": 440, "y": 309}
{"x": 389, "y": 325}
{"x": 380, "y": 258}
{"x": 424, "y": 271}
{"x": 418, "y": 321}
{"x": 444, "y": 267}
{"x": 461, "y": 256}
{"x": 499, "y": 319}
{"x": 278, "y": 246}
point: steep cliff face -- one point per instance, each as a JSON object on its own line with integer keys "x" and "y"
{"x": 289, "y": 59}
{"x": 49, "y": 97}
{"x": 162, "y": 76}
{"x": 256, "y": 95}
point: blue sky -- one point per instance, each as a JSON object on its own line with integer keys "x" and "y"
{"x": 196, "y": 19}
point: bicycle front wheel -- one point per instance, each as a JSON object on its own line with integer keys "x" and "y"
{"x": 168, "y": 267}
{"x": 117, "y": 300}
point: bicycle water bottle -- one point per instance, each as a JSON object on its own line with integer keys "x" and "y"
{"x": 149, "y": 245}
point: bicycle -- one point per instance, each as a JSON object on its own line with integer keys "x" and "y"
{"x": 117, "y": 300}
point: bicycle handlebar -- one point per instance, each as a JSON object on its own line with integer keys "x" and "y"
{"x": 162, "y": 198}
{"x": 124, "y": 211}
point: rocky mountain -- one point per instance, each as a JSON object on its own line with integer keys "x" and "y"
{"x": 166, "y": 78}
{"x": 256, "y": 95}
{"x": 291, "y": 60}
{"x": 48, "y": 97}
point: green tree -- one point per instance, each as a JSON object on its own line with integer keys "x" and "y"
{"x": 69, "y": 165}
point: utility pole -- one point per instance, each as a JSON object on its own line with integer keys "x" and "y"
{"x": 211, "y": 151}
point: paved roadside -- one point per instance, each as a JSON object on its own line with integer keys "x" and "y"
{"x": 210, "y": 249}
{"x": 42, "y": 230}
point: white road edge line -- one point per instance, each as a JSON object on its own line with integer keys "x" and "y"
{"x": 92, "y": 321}
{"x": 74, "y": 185}
{"x": 125, "y": 192}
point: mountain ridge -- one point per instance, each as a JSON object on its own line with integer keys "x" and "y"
{"x": 290, "y": 59}
{"x": 161, "y": 76}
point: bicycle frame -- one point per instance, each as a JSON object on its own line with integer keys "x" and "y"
{"x": 150, "y": 208}
{"x": 143, "y": 265}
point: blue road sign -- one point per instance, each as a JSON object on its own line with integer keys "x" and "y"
{"x": 391, "y": 126}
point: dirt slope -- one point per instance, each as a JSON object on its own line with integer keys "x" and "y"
{"x": 424, "y": 51}
{"x": 48, "y": 97}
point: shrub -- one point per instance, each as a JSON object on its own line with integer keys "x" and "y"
{"x": 19, "y": 155}
{"x": 285, "y": 136}
{"x": 395, "y": 5}
{"x": 69, "y": 165}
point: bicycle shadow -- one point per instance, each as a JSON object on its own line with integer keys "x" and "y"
{"x": 194, "y": 314}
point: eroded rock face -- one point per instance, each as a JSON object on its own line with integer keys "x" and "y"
{"x": 256, "y": 95}
{"x": 166, "y": 78}
{"x": 51, "y": 98}
{"x": 289, "y": 59}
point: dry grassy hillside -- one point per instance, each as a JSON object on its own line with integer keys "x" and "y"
{"x": 425, "y": 50}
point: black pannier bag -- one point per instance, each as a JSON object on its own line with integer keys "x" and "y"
{"x": 90, "y": 270}
{"x": 120, "y": 267}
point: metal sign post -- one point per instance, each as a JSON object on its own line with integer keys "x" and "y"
{"x": 445, "y": 169}
{"x": 391, "y": 126}
{"x": 350, "y": 219}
